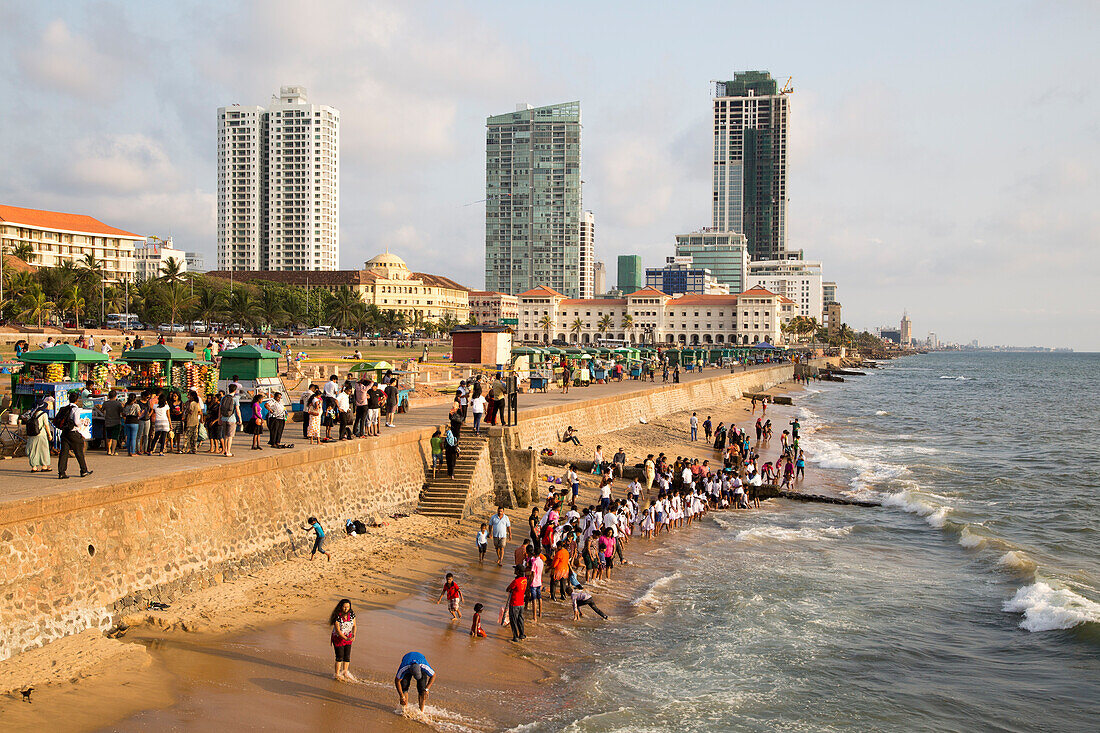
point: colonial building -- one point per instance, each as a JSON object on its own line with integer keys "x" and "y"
{"x": 152, "y": 255}
{"x": 493, "y": 309}
{"x": 651, "y": 316}
{"x": 385, "y": 281}
{"x": 55, "y": 238}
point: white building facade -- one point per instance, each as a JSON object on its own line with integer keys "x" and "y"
{"x": 279, "y": 185}
{"x": 153, "y": 254}
{"x": 648, "y": 316}
{"x": 55, "y": 237}
{"x": 799, "y": 280}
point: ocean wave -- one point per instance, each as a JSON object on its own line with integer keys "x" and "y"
{"x": 649, "y": 598}
{"x": 1046, "y": 608}
{"x": 1017, "y": 560}
{"x": 881, "y": 413}
{"x": 440, "y": 719}
{"x": 957, "y": 379}
{"x": 757, "y": 534}
{"x": 926, "y": 450}
{"x": 969, "y": 540}
{"x": 911, "y": 502}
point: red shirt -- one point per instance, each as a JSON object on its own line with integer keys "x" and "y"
{"x": 453, "y": 591}
{"x": 517, "y": 590}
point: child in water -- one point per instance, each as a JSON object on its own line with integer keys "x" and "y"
{"x": 482, "y": 543}
{"x": 454, "y": 596}
{"x": 475, "y": 627}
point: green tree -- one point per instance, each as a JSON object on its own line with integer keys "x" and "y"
{"x": 577, "y": 326}
{"x": 272, "y": 308}
{"x": 546, "y": 323}
{"x": 177, "y": 299}
{"x": 606, "y": 324}
{"x": 209, "y": 305}
{"x": 343, "y": 308}
{"x": 172, "y": 270}
{"x": 627, "y": 323}
{"x": 24, "y": 251}
{"x": 34, "y": 305}
{"x": 243, "y": 308}
{"x": 73, "y": 302}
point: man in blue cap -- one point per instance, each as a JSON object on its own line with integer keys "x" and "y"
{"x": 414, "y": 666}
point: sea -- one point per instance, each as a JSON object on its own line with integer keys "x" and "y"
{"x": 970, "y": 601}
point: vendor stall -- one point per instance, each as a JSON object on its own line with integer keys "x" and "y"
{"x": 256, "y": 369}
{"x": 51, "y": 373}
{"x": 168, "y": 368}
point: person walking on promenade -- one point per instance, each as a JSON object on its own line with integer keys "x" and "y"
{"x": 414, "y": 667}
{"x": 192, "y": 419}
{"x": 213, "y": 424}
{"x": 515, "y": 598}
{"x": 566, "y": 377}
{"x": 72, "y": 440}
{"x": 342, "y": 620}
{"x": 230, "y": 412}
{"x": 112, "y": 421}
{"x": 145, "y": 422}
{"x": 276, "y": 419}
{"x": 391, "y": 402}
{"x": 39, "y": 438}
{"x": 676, "y": 375}
{"x": 500, "y": 527}
{"x": 694, "y": 421}
{"x": 374, "y": 408}
{"x": 478, "y": 405}
{"x": 359, "y": 429}
{"x": 313, "y": 409}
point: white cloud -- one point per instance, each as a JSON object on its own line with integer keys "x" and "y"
{"x": 121, "y": 164}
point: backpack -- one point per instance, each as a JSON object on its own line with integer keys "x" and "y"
{"x": 30, "y": 421}
{"x": 227, "y": 405}
{"x": 64, "y": 419}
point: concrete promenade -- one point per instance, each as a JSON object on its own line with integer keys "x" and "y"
{"x": 18, "y": 483}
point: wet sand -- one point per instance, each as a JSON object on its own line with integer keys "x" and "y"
{"x": 255, "y": 652}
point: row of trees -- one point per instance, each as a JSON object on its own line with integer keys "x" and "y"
{"x": 77, "y": 291}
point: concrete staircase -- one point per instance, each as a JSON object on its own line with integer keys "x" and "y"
{"x": 446, "y": 497}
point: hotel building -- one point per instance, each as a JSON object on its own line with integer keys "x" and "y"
{"x": 56, "y": 237}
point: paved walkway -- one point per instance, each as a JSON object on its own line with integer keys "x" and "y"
{"x": 18, "y": 483}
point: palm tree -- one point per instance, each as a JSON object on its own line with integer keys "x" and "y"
{"x": 144, "y": 299}
{"x": 73, "y": 303}
{"x": 24, "y": 251}
{"x": 18, "y": 282}
{"x": 577, "y": 326}
{"x": 605, "y": 325}
{"x": 89, "y": 265}
{"x": 373, "y": 317}
{"x": 172, "y": 270}
{"x": 209, "y": 305}
{"x": 55, "y": 281}
{"x": 546, "y": 323}
{"x": 272, "y": 307}
{"x": 176, "y": 297}
{"x": 472, "y": 320}
{"x": 242, "y": 307}
{"x": 34, "y": 304}
{"x": 628, "y": 324}
{"x": 343, "y": 307}
{"x": 448, "y": 323}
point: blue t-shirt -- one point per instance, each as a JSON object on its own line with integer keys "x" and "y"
{"x": 409, "y": 660}
{"x": 317, "y": 528}
{"x": 499, "y": 526}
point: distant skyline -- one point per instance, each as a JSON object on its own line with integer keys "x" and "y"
{"x": 941, "y": 155}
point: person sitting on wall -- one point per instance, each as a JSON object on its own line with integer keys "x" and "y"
{"x": 570, "y": 436}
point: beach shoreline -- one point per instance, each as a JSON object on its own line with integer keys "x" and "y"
{"x": 390, "y": 578}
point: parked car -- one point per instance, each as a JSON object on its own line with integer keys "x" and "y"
{"x": 166, "y": 327}
{"x": 198, "y": 327}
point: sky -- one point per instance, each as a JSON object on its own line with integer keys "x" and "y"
{"x": 943, "y": 156}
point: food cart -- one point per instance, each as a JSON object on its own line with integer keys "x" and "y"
{"x": 169, "y": 368}
{"x": 51, "y": 373}
{"x": 256, "y": 370}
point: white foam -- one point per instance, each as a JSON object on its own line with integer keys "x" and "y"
{"x": 759, "y": 534}
{"x": 970, "y": 540}
{"x": 957, "y": 379}
{"x": 881, "y": 413}
{"x": 911, "y": 502}
{"x": 1046, "y": 608}
{"x": 439, "y": 719}
{"x": 649, "y": 598}
{"x": 924, "y": 449}
{"x": 1017, "y": 560}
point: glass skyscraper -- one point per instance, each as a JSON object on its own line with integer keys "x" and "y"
{"x": 725, "y": 254}
{"x": 630, "y": 273}
{"x": 533, "y": 202}
{"x": 750, "y": 162}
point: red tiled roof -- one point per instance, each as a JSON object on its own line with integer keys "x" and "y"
{"x": 648, "y": 291}
{"x": 758, "y": 292}
{"x": 785, "y": 299}
{"x": 57, "y": 220}
{"x": 541, "y": 291}
{"x": 438, "y": 281}
{"x": 594, "y": 301}
{"x": 484, "y": 293}
{"x": 700, "y": 299}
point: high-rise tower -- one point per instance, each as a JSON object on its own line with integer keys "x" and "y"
{"x": 533, "y": 201}
{"x": 750, "y": 162}
{"x": 279, "y": 185}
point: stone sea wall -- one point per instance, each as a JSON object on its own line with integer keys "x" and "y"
{"x": 85, "y": 558}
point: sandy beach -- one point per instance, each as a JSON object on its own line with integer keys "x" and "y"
{"x": 255, "y": 651}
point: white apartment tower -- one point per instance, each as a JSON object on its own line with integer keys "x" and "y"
{"x": 279, "y": 185}
{"x": 588, "y": 255}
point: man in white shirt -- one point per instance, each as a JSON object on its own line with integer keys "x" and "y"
{"x": 106, "y": 348}
{"x": 343, "y": 412}
{"x": 694, "y": 426}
